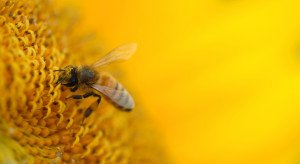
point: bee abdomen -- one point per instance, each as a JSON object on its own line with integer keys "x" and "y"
{"x": 122, "y": 98}
{"x": 119, "y": 96}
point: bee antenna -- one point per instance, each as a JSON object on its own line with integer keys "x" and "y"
{"x": 60, "y": 80}
{"x": 58, "y": 70}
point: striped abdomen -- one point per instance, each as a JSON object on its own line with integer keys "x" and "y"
{"x": 115, "y": 92}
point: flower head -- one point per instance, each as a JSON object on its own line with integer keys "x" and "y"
{"x": 38, "y": 123}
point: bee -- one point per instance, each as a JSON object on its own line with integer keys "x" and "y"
{"x": 99, "y": 83}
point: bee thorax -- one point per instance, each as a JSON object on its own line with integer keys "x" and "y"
{"x": 87, "y": 75}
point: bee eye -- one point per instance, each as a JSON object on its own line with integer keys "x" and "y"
{"x": 71, "y": 77}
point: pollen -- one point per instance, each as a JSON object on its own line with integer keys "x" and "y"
{"x": 37, "y": 123}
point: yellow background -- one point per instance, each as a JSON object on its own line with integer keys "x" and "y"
{"x": 220, "y": 79}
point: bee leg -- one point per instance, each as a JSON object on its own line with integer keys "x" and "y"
{"x": 90, "y": 110}
{"x": 74, "y": 88}
{"x": 81, "y": 96}
{"x": 98, "y": 96}
{"x": 86, "y": 114}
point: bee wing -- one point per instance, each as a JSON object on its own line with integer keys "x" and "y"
{"x": 119, "y": 97}
{"x": 122, "y": 52}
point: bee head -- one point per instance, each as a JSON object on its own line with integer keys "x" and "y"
{"x": 68, "y": 76}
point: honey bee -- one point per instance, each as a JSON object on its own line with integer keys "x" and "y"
{"x": 99, "y": 83}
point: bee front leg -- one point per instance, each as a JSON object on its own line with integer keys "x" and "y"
{"x": 75, "y": 88}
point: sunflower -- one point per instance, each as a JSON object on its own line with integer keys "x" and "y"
{"x": 38, "y": 124}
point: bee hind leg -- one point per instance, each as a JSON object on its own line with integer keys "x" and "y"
{"x": 81, "y": 96}
{"x": 90, "y": 110}
{"x": 86, "y": 114}
{"x": 98, "y": 96}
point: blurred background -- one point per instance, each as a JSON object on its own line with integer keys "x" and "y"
{"x": 219, "y": 79}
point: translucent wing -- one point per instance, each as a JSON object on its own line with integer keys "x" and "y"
{"x": 119, "y": 97}
{"x": 122, "y": 52}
